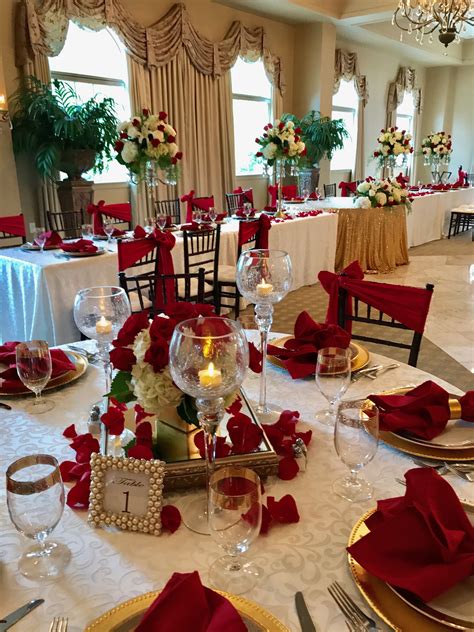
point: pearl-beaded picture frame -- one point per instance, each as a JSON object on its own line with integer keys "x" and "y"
{"x": 126, "y": 493}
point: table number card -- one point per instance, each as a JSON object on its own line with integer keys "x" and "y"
{"x": 126, "y": 493}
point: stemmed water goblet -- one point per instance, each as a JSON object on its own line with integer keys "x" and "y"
{"x": 34, "y": 367}
{"x": 247, "y": 209}
{"x": 161, "y": 220}
{"x": 39, "y": 237}
{"x": 264, "y": 277}
{"x": 149, "y": 225}
{"x": 87, "y": 231}
{"x": 235, "y": 516}
{"x": 35, "y": 500}
{"x": 356, "y": 436}
{"x": 333, "y": 376}
{"x": 109, "y": 228}
{"x": 209, "y": 357}
{"x": 197, "y": 217}
{"x": 212, "y": 214}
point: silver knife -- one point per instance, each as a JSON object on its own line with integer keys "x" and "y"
{"x": 306, "y": 621}
{"x": 18, "y": 614}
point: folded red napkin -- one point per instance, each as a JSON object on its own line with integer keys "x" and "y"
{"x": 240, "y": 213}
{"x": 300, "y": 354}
{"x": 139, "y": 232}
{"x": 11, "y": 382}
{"x": 52, "y": 238}
{"x": 185, "y": 605}
{"x": 423, "y": 411}
{"x": 100, "y": 232}
{"x": 270, "y": 209}
{"x": 220, "y": 217}
{"x": 423, "y": 541}
{"x": 81, "y": 245}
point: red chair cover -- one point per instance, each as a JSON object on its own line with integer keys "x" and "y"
{"x": 407, "y": 305}
{"x": 288, "y": 191}
{"x": 117, "y": 211}
{"x": 204, "y": 204}
{"x": 129, "y": 252}
{"x": 246, "y": 195}
{"x": 13, "y": 224}
{"x": 461, "y": 178}
{"x": 260, "y": 227}
{"x": 347, "y": 188}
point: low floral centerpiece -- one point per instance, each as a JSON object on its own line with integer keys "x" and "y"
{"x": 147, "y": 146}
{"x": 280, "y": 143}
{"x": 393, "y": 143}
{"x": 372, "y": 193}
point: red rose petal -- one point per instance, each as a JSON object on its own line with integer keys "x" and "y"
{"x": 70, "y": 432}
{"x": 255, "y": 358}
{"x": 78, "y": 496}
{"x": 170, "y": 518}
{"x": 66, "y": 468}
{"x": 114, "y": 420}
{"x": 274, "y": 435}
{"x": 244, "y": 435}
{"x": 287, "y": 421}
{"x": 306, "y": 436}
{"x": 140, "y": 413}
{"x": 144, "y": 431}
{"x": 222, "y": 448}
{"x": 235, "y": 407}
{"x": 288, "y": 468}
{"x": 283, "y": 510}
{"x": 140, "y": 452}
{"x": 266, "y": 520}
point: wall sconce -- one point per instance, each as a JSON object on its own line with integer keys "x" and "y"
{"x": 4, "y": 116}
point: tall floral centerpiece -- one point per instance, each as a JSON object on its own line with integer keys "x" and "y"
{"x": 393, "y": 143}
{"x": 373, "y": 193}
{"x": 436, "y": 149}
{"x": 281, "y": 143}
{"x": 147, "y": 147}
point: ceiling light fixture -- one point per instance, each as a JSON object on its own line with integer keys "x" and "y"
{"x": 424, "y": 16}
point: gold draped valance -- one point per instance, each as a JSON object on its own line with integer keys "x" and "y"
{"x": 347, "y": 68}
{"x": 404, "y": 82}
{"x": 42, "y": 29}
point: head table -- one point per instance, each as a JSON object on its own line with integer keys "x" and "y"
{"x": 109, "y": 567}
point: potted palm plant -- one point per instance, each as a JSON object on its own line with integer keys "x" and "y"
{"x": 59, "y": 132}
{"x": 322, "y": 136}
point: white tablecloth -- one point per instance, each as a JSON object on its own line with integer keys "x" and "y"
{"x": 38, "y": 290}
{"x": 110, "y": 567}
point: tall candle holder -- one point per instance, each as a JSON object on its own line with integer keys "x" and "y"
{"x": 208, "y": 360}
{"x": 264, "y": 277}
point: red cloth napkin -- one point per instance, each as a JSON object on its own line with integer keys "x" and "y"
{"x": 139, "y": 232}
{"x": 13, "y": 224}
{"x": 240, "y": 213}
{"x": 52, "y": 238}
{"x": 422, "y": 412}
{"x": 101, "y": 232}
{"x": 422, "y": 542}
{"x": 220, "y": 217}
{"x": 185, "y": 605}
{"x": 60, "y": 364}
{"x": 81, "y": 245}
{"x": 300, "y": 354}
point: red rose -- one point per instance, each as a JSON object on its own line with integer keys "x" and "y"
{"x": 84, "y": 445}
{"x": 304, "y": 152}
{"x": 119, "y": 145}
{"x": 162, "y": 116}
{"x": 123, "y": 135}
{"x": 158, "y": 355}
{"x": 170, "y": 518}
{"x": 155, "y": 142}
{"x": 161, "y": 128}
{"x": 376, "y": 154}
{"x": 140, "y": 452}
{"x": 265, "y": 135}
{"x": 298, "y": 130}
{"x": 171, "y": 139}
{"x": 270, "y": 126}
{"x": 180, "y": 310}
{"x": 259, "y": 154}
{"x": 281, "y": 126}
{"x": 114, "y": 420}
{"x": 297, "y": 139}
{"x": 174, "y": 160}
{"x": 136, "y": 122}
{"x": 122, "y": 358}
{"x": 132, "y": 326}
{"x": 162, "y": 328}
{"x": 145, "y": 112}
{"x": 179, "y": 155}
{"x": 266, "y": 127}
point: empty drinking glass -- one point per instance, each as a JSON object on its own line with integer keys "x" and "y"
{"x": 149, "y": 225}
{"x": 212, "y": 214}
{"x": 109, "y": 228}
{"x": 35, "y": 500}
{"x": 34, "y": 367}
{"x": 87, "y": 231}
{"x": 333, "y": 376}
{"x": 235, "y": 516}
{"x": 197, "y": 217}
{"x": 161, "y": 220}
{"x": 356, "y": 437}
{"x": 39, "y": 237}
{"x": 247, "y": 209}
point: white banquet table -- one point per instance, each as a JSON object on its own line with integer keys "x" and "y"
{"x": 38, "y": 290}
{"x": 108, "y": 567}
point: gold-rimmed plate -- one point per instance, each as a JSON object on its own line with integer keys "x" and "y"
{"x": 71, "y": 253}
{"x": 126, "y": 616}
{"x": 401, "y": 612}
{"x": 29, "y": 246}
{"x": 80, "y": 367}
{"x": 360, "y": 356}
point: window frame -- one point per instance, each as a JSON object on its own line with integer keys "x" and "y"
{"x": 343, "y": 108}
{"x": 409, "y": 165}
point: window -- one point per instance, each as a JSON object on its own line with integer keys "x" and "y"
{"x": 405, "y": 121}
{"x": 345, "y": 106}
{"x": 94, "y": 64}
{"x": 252, "y": 110}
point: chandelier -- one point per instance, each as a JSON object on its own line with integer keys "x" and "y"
{"x": 424, "y": 16}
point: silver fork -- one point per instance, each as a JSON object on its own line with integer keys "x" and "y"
{"x": 351, "y": 611}
{"x": 459, "y": 472}
{"x": 58, "y": 624}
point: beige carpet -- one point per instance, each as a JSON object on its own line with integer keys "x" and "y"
{"x": 431, "y": 359}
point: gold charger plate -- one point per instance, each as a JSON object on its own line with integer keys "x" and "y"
{"x": 126, "y": 616}
{"x": 383, "y": 599}
{"x": 80, "y": 363}
{"x": 360, "y": 355}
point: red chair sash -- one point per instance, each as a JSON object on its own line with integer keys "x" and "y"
{"x": 117, "y": 211}
{"x": 407, "y": 305}
{"x": 246, "y": 195}
{"x": 203, "y": 203}
{"x": 288, "y": 191}
{"x": 259, "y": 227}
{"x": 13, "y": 224}
{"x": 347, "y": 188}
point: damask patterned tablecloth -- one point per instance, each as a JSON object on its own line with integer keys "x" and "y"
{"x": 109, "y": 567}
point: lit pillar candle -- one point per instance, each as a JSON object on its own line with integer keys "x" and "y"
{"x": 103, "y": 326}
{"x": 210, "y": 376}
{"x": 264, "y": 288}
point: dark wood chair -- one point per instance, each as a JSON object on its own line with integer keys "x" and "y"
{"x": 460, "y": 221}
{"x": 364, "y": 313}
{"x": 330, "y": 190}
{"x": 172, "y": 208}
{"x": 201, "y": 250}
{"x": 233, "y": 202}
{"x": 140, "y": 295}
{"x": 202, "y": 203}
{"x": 66, "y": 223}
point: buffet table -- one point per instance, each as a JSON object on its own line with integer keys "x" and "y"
{"x": 108, "y": 567}
{"x": 38, "y": 290}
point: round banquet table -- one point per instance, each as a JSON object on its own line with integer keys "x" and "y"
{"x": 108, "y": 567}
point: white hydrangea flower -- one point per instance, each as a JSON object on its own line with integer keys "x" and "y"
{"x": 170, "y": 130}
{"x": 363, "y": 187}
{"x": 396, "y": 195}
{"x": 129, "y": 151}
{"x": 363, "y": 202}
{"x": 269, "y": 151}
{"x": 372, "y": 192}
{"x": 381, "y": 198}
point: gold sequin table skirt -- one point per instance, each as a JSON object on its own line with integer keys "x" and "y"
{"x": 375, "y": 237}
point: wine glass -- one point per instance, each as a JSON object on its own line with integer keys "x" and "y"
{"x": 161, "y": 220}
{"x": 235, "y": 516}
{"x": 212, "y": 214}
{"x": 333, "y": 376}
{"x": 317, "y": 194}
{"x": 99, "y": 314}
{"x": 87, "y": 231}
{"x": 39, "y": 237}
{"x": 209, "y": 357}
{"x": 109, "y": 228}
{"x": 34, "y": 367}
{"x": 356, "y": 437}
{"x": 149, "y": 225}
{"x": 197, "y": 217}
{"x": 264, "y": 277}
{"x": 247, "y": 209}
{"x": 35, "y": 500}
{"x": 305, "y": 193}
